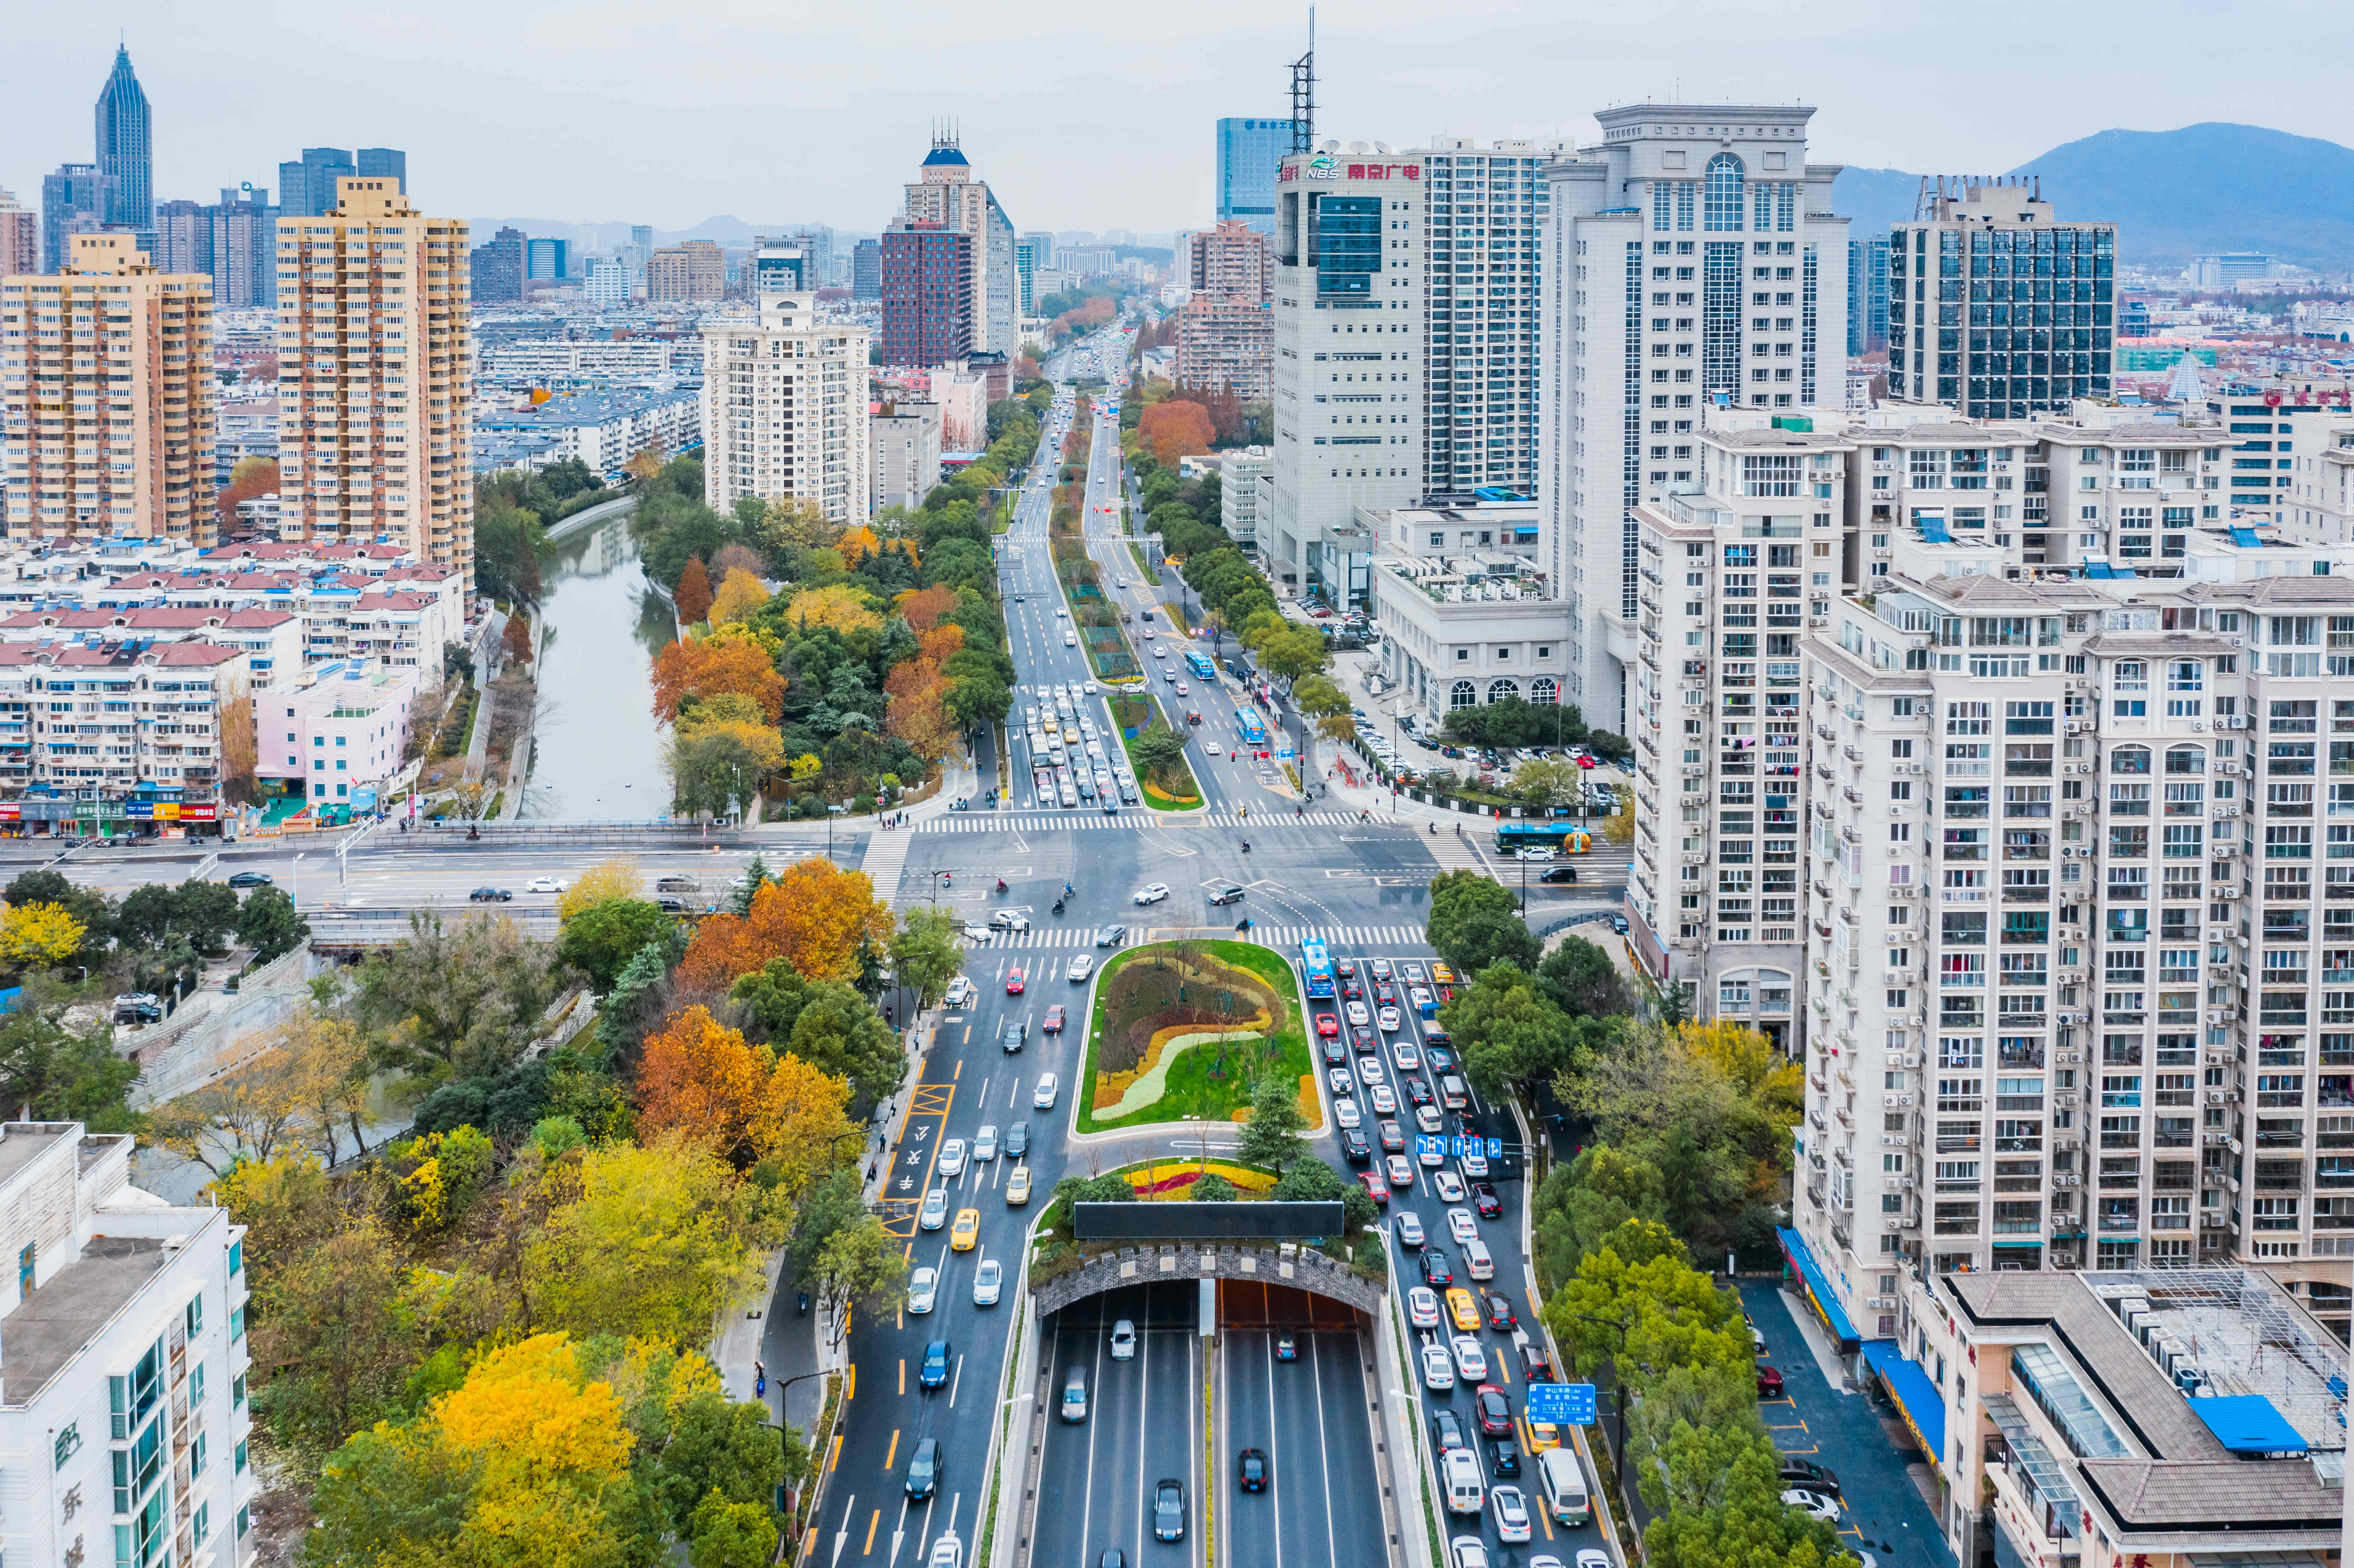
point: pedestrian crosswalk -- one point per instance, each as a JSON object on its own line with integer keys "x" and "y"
{"x": 1129, "y": 820}
{"x": 1403, "y": 940}
{"x": 886, "y": 857}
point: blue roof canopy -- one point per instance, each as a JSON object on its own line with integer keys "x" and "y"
{"x": 1924, "y": 1406}
{"x": 2247, "y": 1424}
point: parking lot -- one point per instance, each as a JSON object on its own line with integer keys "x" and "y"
{"x": 1830, "y": 1425}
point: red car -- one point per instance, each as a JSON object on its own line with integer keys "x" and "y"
{"x": 1379, "y": 1188}
{"x": 1769, "y": 1383}
{"x": 1014, "y": 982}
{"x": 1495, "y": 1411}
{"x": 1053, "y": 1024}
{"x": 1327, "y": 1025}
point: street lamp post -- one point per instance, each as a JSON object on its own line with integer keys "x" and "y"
{"x": 295, "y": 895}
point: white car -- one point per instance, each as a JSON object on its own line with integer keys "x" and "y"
{"x": 1816, "y": 1504}
{"x": 1153, "y": 895}
{"x": 1470, "y": 1551}
{"x": 1447, "y": 1187}
{"x": 1408, "y": 1226}
{"x": 1384, "y": 1102}
{"x": 988, "y": 1281}
{"x": 1438, "y": 1370}
{"x": 948, "y": 1552}
{"x": 936, "y": 1209}
{"x": 1214, "y": 750}
{"x": 1123, "y": 1340}
{"x": 1048, "y": 1087}
{"x": 1594, "y": 1557}
{"x": 1338, "y": 1082}
{"x": 1475, "y": 1165}
{"x": 962, "y": 991}
{"x": 1390, "y": 1022}
{"x": 1461, "y": 1225}
{"x": 1409, "y": 1058}
{"x": 1369, "y": 1069}
{"x": 1432, "y": 1153}
{"x": 1511, "y": 1512}
{"x": 1357, "y": 1015}
{"x": 953, "y": 1157}
{"x": 1422, "y": 1307}
{"x": 1471, "y": 1360}
{"x": 546, "y": 884}
{"x": 1428, "y": 1119}
{"x": 985, "y": 1143}
{"x": 1419, "y": 996}
{"x": 1345, "y": 1113}
{"x": 923, "y": 1286}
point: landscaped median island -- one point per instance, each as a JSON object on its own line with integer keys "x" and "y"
{"x": 1191, "y": 1029}
{"x": 1156, "y": 750}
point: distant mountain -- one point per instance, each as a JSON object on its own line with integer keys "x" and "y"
{"x": 2173, "y": 195}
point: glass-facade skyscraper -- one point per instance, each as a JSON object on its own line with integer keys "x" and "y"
{"x": 1249, "y": 152}
{"x": 126, "y": 153}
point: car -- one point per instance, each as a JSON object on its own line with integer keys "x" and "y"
{"x": 1229, "y": 894}
{"x": 250, "y": 879}
{"x": 1043, "y": 1097}
{"x": 988, "y": 1281}
{"x": 1392, "y": 1137}
{"x": 1447, "y": 1186}
{"x": 1807, "y": 1474}
{"x": 139, "y": 1007}
{"x": 1464, "y": 1308}
{"x": 1123, "y": 1340}
{"x": 1439, "y": 973}
{"x": 1437, "y": 1369}
{"x": 1251, "y": 1470}
{"x": 1619, "y": 924}
{"x": 546, "y": 884}
{"x": 1327, "y": 1027}
{"x": 1400, "y": 1171}
{"x": 1369, "y": 1069}
{"x": 1494, "y": 1409}
{"x": 933, "y": 1370}
{"x": 1757, "y": 1341}
{"x": 1110, "y": 936}
{"x": 489, "y": 896}
{"x": 1169, "y": 1509}
{"x": 1407, "y": 1057}
{"x": 1469, "y": 1551}
{"x": 1357, "y": 1015}
{"x": 1340, "y": 1083}
{"x": 1350, "y": 990}
{"x": 1459, "y": 1224}
{"x": 1421, "y": 999}
{"x": 1080, "y": 969}
{"x": 1355, "y": 1146}
{"x": 1054, "y": 1021}
{"x": 1407, "y": 1227}
{"x": 965, "y": 1234}
{"x": 923, "y": 1288}
{"x": 1381, "y": 968}
{"x": 924, "y": 1470}
{"x": 953, "y": 1157}
{"x": 1015, "y": 1034}
{"x": 1345, "y": 1113}
{"x": 1442, "y": 1057}
{"x": 1376, "y": 1188}
{"x": 1410, "y": 971}
{"x": 1366, "y": 1041}
{"x": 1009, "y": 920}
{"x": 1446, "y": 1432}
{"x": 1016, "y": 982}
{"x": 1287, "y": 1349}
{"x": 1501, "y": 1315}
{"x": 1484, "y": 1199}
{"x": 1558, "y": 873}
{"x": 1418, "y": 1093}
{"x": 962, "y": 991}
{"x": 1017, "y": 1186}
{"x": 1389, "y": 1021}
{"x": 1214, "y": 750}
{"x": 1429, "y": 1118}
{"x": 948, "y": 1552}
{"x": 1438, "y": 1271}
{"x": 1512, "y": 1511}
{"x": 1769, "y": 1383}
{"x": 1422, "y": 1307}
{"x": 1384, "y": 1102}
{"x": 1385, "y": 992}
{"x": 1475, "y": 1165}
{"x": 1814, "y": 1505}
{"x": 1471, "y": 1360}
{"x": 1334, "y": 1052}
{"x": 985, "y": 1143}
{"x": 1153, "y": 895}
{"x": 936, "y": 1209}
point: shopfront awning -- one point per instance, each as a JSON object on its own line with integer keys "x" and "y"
{"x": 1915, "y": 1397}
{"x": 1801, "y": 1260}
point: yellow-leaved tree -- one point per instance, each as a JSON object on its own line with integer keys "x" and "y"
{"x": 34, "y": 935}
{"x": 739, "y": 595}
{"x": 605, "y": 880}
{"x": 845, "y": 610}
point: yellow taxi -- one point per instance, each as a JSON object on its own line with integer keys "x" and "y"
{"x": 1017, "y": 1186}
{"x": 1441, "y": 975}
{"x": 1543, "y": 1435}
{"x": 1466, "y": 1312}
{"x": 966, "y": 1232}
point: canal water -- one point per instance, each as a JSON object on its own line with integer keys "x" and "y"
{"x": 597, "y": 754}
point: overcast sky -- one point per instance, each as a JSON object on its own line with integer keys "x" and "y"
{"x": 1095, "y": 116}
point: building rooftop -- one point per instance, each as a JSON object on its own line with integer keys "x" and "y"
{"x": 52, "y": 1324}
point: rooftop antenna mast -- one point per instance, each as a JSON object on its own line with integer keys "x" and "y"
{"x": 1303, "y": 93}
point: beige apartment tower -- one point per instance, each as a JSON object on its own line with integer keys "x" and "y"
{"x": 106, "y": 398}
{"x": 373, "y": 354}
{"x": 784, "y": 398}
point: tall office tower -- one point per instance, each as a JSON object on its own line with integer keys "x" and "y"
{"x": 1348, "y": 360}
{"x": 73, "y": 201}
{"x": 307, "y": 188}
{"x": 126, "y": 150}
{"x": 784, "y": 396}
{"x": 1226, "y": 332}
{"x": 606, "y": 283}
{"x": 866, "y": 271}
{"x": 1485, "y": 208}
{"x": 1687, "y": 262}
{"x": 1028, "y": 264}
{"x": 244, "y": 248}
{"x": 385, "y": 164}
{"x": 816, "y": 243}
{"x": 184, "y": 238}
{"x": 375, "y": 356}
{"x": 926, "y": 295}
{"x": 639, "y": 251}
{"x": 692, "y": 269}
{"x": 1248, "y": 153}
{"x": 1867, "y": 296}
{"x": 498, "y": 268}
{"x": 2039, "y": 294}
{"x": 949, "y": 195}
{"x": 20, "y": 235}
{"x": 544, "y": 261}
{"x": 106, "y": 385}
{"x": 1042, "y": 248}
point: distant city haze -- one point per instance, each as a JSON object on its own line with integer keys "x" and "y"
{"x": 1093, "y": 116}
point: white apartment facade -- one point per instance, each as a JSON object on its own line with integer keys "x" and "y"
{"x": 785, "y": 399}
{"x": 904, "y": 441}
{"x": 1690, "y": 260}
{"x": 1348, "y": 305}
{"x": 1240, "y": 470}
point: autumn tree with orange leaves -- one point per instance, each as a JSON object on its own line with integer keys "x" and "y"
{"x": 746, "y": 1102}
{"x": 686, "y": 669}
{"x": 924, "y": 606}
{"x": 815, "y": 916}
{"x": 1176, "y": 428}
{"x": 693, "y": 592}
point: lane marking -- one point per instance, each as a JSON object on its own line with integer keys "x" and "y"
{"x": 891, "y": 1459}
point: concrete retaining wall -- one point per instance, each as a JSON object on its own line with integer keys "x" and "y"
{"x": 1283, "y": 1263}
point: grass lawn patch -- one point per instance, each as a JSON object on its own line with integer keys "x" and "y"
{"x": 1178, "y": 1011}
{"x": 1189, "y": 798}
{"x": 1142, "y": 564}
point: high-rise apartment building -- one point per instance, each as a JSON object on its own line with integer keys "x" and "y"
{"x": 106, "y": 386}
{"x": 693, "y": 270}
{"x": 1348, "y": 360}
{"x": 1996, "y": 309}
{"x": 638, "y": 252}
{"x": 1030, "y": 258}
{"x": 1484, "y": 208}
{"x": 20, "y": 235}
{"x": 927, "y": 294}
{"x": 606, "y": 282}
{"x": 866, "y": 271}
{"x": 947, "y": 194}
{"x": 1867, "y": 296}
{"x": 498, "y": 268}
{"x": 784, "y": 398}
{"x": 1249, "y": 152}
{"x": 1226, "y": 332}
{"x": 1686, "y": 263}
{"x": 74, "y": 200}
{"x": 310, "y": 187}
{"x": 244, "y": 247}
{"x": 375, "y": 356}
{"x": 126, "y": 149}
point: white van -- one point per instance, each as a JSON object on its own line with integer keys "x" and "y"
{"x": 1477, "y": 1262}
{"x": 1459, "y": 1478}
{"x": 1563, "y": 1482}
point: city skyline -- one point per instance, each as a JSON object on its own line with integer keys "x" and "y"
{"x": 669, "y": 154}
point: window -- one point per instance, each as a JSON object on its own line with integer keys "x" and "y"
{"x": 235, "y": 1324}
{"x": 1463, "y": 694}
{"x": 1721, "y": 203}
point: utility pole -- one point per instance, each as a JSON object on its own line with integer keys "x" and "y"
{"x": 1617, "y": 1386}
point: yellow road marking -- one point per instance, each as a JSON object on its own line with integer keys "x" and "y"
{"x": 849, "y": 1381}
{"x": 833, "y": 1459}
{"x": 873, "y": 1520}
{"x": 903, "y": 1375}
{"x": 890, "y": 1458}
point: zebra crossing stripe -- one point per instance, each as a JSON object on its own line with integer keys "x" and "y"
{"x": 1385, "y": 938}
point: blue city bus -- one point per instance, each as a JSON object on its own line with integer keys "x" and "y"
{"x": 1560, "y": 833}
{"x": 1200, "y": 666}
{"x": 1316, "y": 965}
{"x": 1252, "y": 727}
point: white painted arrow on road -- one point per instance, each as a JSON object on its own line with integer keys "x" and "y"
{"x": 841, "y": 1536}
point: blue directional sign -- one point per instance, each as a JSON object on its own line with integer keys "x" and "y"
{"x": 1495, "y": 1148}
{"x": 1563, "y": 1403}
